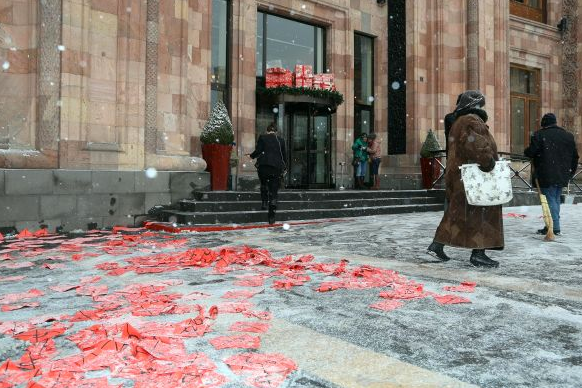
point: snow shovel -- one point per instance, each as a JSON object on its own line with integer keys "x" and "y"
{"x": 546, "y": 214}
{"x": 568, "y": 198}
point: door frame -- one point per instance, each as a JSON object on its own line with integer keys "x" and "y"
{"x": 311, "y": 111}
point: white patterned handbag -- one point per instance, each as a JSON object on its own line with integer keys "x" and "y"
{"x": 487, "y": 188}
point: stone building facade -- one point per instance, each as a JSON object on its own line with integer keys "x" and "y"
{"x": 125, "y": 85}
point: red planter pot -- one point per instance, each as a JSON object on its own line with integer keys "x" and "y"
{"x": 217, "y": 157}
{"x": 430, "y": 171}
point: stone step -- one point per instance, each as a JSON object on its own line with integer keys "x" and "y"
{"x": 241, "y": 217}
{"x": 237, "y": 206}
{"x": 315, "y": 195}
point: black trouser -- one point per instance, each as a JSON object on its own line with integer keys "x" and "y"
{"x": 270, "y": 180}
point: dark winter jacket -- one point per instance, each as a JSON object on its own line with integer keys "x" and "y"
{"x": 270, "y": 151}
{"x": 464, "y": 225}
{"x": 554, "y": 154}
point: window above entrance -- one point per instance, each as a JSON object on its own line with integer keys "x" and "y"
{"x": 530, "y": 9}
{"x": 283, "y": 42}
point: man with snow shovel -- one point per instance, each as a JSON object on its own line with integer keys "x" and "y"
{"x": 555, "y": 159}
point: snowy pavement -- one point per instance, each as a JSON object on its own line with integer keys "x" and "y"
{"x": 310, "y": 320}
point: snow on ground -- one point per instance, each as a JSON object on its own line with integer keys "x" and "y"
{"x": 364, "y": 282}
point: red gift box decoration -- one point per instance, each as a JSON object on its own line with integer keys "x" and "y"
{"x": 277, "y": 76}
{"x": 303, "y": 76}
{"x": 324, "y": 81}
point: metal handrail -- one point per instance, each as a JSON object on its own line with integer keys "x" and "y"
{"x": 518, "y": 173}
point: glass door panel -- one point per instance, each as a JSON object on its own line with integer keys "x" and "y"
{"x": 319, "y": 155}
{"x": 298, "y": 158}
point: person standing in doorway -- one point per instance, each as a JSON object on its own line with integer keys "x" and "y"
{"x": 271, "y": 154}
{"x": 463, "y": 225}
{"x": 376, "y": 157}
{"x": 360, "y": 149}
{"x": 555, "y": 160}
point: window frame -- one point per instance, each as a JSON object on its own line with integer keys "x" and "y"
{"x": 224, "y": 88}
{"x": 266, "y": 14}
{"x": 525, "y": 10}
{"x": 528, "y": 98}
{"x": 358, "y": 106}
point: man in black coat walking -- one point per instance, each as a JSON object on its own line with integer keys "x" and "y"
{"x": 270, "y": 154}
{"x": 555, "y": 160}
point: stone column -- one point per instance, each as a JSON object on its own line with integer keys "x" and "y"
{"x": 473, "y": 44}
{"x": 151, "y": 100}
{"x": 571, "y": 66}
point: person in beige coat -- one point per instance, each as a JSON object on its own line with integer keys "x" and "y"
{"x": 463, "y": 225}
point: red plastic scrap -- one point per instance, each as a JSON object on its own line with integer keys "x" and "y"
{"x": 243, "y": 341}
{"x": 463, "y": 287}
{"x": 251, "y": 281}
{"x": 90, "y": 279}
{"x": 234, "y": 307}
{"x": 193, "y": 327}
{"x": 19, "y": 306}
{"x": 263, "y": 315}
{"x": 451, "y": 299}
{"x": 240, "y": 294}
{"x": 11, "y": 373}
{"x": 11, "y": 298}
{"x": 40, "y": 335}
{"x": 250, "y": 327}
{"x": 264, "y": 370}
{"x": 411, "y": 290}
{"x": 213, "y": 312}
{"x": 387, "y": 305}
{"x": 25, "y": 233}
{"x": 92, "y": 290}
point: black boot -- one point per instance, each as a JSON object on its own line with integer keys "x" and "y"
{"x": 272, "y": 209}
{"x": 480, "y": 259}
{"x": 264, "y": 205}
{"x": 437, "y": 250}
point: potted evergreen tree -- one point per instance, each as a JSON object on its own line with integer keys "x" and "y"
{"x": 217, "y": 138}
{"x": 429, "y": 166}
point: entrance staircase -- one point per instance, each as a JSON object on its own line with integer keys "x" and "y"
{"x": 241, "y": 207}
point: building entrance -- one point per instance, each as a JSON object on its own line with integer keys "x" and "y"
{"x": 308, "y": 132}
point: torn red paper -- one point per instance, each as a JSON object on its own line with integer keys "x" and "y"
{"x": 40, "y": 335}
{"x": 264, "y": 370}
{"x": 463, "y": 287}
{"x": 251, "y": 327}
{"x": 11, "y": 298}
{"x": 450, "y": 299}
{"x": 244, "y": 341}
{"x": 19, "y": 306}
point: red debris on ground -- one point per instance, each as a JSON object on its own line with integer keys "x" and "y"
{"x": 264, "y": 370}
{"x": 243, "y": 341}
{"x": 124, "y": 340}
{"x": 251, "y": 327}
{"x": 463, "y": 287}
{"x": 450, "y": 299}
